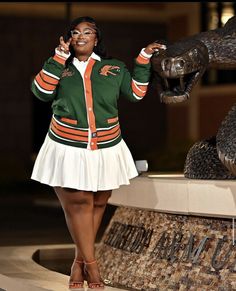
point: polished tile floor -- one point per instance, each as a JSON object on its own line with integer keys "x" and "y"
{"x": 31, "y": 216}
{"x": 19, "y": 272}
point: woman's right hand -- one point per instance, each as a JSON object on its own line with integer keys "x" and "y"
{"x": 152, "y": 47}
{"x": 64, "y": 46}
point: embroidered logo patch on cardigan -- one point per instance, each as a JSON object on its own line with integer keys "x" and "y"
{"x": 67, "y": 73}
{"x": 108, "y": 69}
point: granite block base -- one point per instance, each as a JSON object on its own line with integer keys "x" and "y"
{"x": 148, "y": 250}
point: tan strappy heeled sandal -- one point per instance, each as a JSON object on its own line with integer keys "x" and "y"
{"x": 76, "y": 285}
{"x": 92, "y": 285}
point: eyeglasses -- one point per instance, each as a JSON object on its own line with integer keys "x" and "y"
{"x": 86, "y": 33}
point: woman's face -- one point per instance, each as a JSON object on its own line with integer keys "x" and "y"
{"x": 84, "y": 39}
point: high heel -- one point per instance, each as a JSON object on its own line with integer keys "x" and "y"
{"x": 77, "y": 285}
{"x": 92, "y": 285}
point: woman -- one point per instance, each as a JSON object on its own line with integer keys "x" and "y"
{"x": 84, "y": 156}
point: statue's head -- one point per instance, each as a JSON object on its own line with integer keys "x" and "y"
{"x": 178, "y": 68}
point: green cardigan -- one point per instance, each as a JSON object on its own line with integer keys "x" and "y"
{"x": 85, "y": 112}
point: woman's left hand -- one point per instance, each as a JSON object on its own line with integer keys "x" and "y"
{"x": 152, "y": 47}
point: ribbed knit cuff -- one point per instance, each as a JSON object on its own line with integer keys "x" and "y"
{"x": 60, "y": 57}
{"x": 62, "y": 54}
{"x": 143, "y": 53}
{"x": 143, "y": 58}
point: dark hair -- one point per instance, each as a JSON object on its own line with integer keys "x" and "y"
{"x": 99, "y": 49}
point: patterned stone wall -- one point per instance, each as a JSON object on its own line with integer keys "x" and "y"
{"x": 147, "y": 250}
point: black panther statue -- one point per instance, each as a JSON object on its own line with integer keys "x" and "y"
{"x": 178, "y": 69}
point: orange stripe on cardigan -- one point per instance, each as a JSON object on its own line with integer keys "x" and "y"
{"x": 107, "y": 132}
{"x": 43, "y": 84}
{"x": 69, "y": 130}
{"x": 139, "y": 90}
{"x": 82, "y": 138}
{"x": 142, "y": 60}
{"x": 59, "y": 59}
{"x": 109, "y": 137}
{"x": 89, "y": 100}
{"x": 68, "y": 135}
{"x": 70, "y": 121}
{"x": 48, "y": 79}
{"x": 112, "y": 120}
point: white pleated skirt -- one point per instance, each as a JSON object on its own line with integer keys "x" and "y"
{"x": 82, "y": 169}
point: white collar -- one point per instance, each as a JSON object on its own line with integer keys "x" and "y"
{"x": 93, "y": 56}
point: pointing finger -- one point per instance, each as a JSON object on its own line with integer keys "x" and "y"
{"x": 62, "y": 40}
{"x": 69, "y": 41}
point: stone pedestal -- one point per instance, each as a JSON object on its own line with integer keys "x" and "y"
{"x": 148, "y": 250}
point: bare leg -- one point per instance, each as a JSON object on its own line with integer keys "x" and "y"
{"x": 83, "y": 212}
{"x": 100, "y": 202}
{"x": 78, "y": 209}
